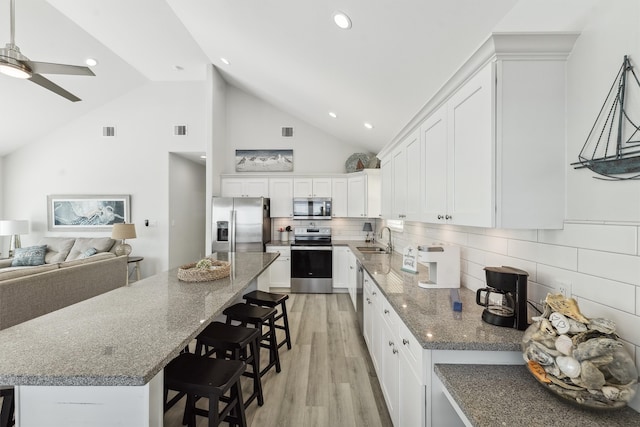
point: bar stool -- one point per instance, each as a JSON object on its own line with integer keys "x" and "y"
{"x": 8, "y": 407}
{"x": 258, "y": 317}
{"x": 236, "y": 343}
{"x": 268, "y": 299}
{"x": 198, "y": 376}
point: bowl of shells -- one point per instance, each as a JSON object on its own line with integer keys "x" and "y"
{"x": 579, "y": 359}
{"x": 205, "y": 270}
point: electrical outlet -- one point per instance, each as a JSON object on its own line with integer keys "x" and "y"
{"x": 564, "y": 288}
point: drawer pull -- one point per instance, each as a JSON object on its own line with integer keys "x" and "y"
{"x": 405, "y": 341}
{"x": 395, "y": 351}
{"x": 390, "y": 343}
{"x": 386, "y": 311}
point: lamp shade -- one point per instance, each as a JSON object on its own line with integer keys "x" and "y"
{"x": 367, "y": 227}
{"x": 11, "y": 227}
{"x": 123, "y": 231}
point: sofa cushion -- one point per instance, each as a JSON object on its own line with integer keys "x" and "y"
{"x": 32, "y": 255}
{"x": 89, "y": 252}
{"x": 6, "y": 262}
{"x": 101, "y": 244}
{"x": 57, "y": 248}
{"x": 97, "y": 257}
{"x": 13, "y": 272}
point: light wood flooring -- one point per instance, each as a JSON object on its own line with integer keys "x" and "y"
{"x": 327, "y": 378}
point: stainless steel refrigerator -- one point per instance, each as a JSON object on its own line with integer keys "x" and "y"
{"x": 240, "y": 224}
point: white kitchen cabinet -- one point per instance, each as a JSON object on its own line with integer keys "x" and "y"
{"x": 386, "y": 187}
{"x": 341, "y": 267}
{"x": 406, "y": 177}
{"x": 365, "y": 199}
{"x": 399, "y": 183}
{"x": 244, "y": 187}
{"x": 280, "y": 269}
{"x": 352, "y": 278}
{"x": 491, "y": 140}
{"x": 389, "y": 366}
{"x": 281, "y": 195}
{"x": 339, "y": 198}
{"x": 312, "y": 187}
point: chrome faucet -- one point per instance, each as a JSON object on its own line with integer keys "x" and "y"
{"x": 389, "y": 248}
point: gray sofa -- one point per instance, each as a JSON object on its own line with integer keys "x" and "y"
{"x": 69, "y": 275}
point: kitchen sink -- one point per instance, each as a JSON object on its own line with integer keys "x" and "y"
{"x": 371, "y": 249}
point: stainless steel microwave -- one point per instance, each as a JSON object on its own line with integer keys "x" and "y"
{"x": 311, "y": 208}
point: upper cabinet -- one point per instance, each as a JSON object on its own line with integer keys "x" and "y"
{"x": 244, "y": 187}
{"x": 281, "y": 191}
{"x": 488, "y": 150}
{"x": 312, "y": 187}
{"x": 339, "y": 197}
{"x": 364, "y": 194}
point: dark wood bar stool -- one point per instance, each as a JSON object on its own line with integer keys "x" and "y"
{"x": 199, "y": 376}
{"x": 8, "y": 407}
{"x": 268, "y": 299}
{"x": 258, "y": 317}
{"x": 236, "y": 343}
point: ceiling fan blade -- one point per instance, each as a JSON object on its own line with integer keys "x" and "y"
{"x": 51, "y": 68}
{"x": 48, "y": 84}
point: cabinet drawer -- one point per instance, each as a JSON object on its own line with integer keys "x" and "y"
{"x": 390, "y": 316}
{"x": 285, "y": 251}
{"x": 411, "y": 349}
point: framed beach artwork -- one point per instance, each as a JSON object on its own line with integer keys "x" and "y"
{"x": 86, "y": 213}
{"x": 264, "y": 160}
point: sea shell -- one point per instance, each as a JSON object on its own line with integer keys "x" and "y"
{"x": 585, "y": 336}
{"x": 610, "y": 392}
{"x": 605, "y": 326}
{"x": 540, "y": 354}
{"x": 566, "y": 306}
{"x": 576, "y": 327}
{"x": 622, "y": 367}
{"x": 590, "y": 376}
{"x": 569, "y": 366}
{"x": 546, "y": 328}
{"x": 559, "y": 322}
{"x": 564, "y": 345}
{"x": 595, "y": 347}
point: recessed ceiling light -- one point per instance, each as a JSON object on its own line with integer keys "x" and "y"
{"x": 342, "y": 20}
{"x": 225, "y": 61}
{"x": 368, "y": 125}
{"x": 332, "y": 114}
{"x": 91, "y": 62}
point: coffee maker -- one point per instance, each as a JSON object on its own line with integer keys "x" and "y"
{"x": 505, "y": 297}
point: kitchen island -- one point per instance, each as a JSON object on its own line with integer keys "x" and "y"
{"x": 100, "y": 362}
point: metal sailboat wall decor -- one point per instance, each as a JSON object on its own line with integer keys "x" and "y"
{"x": 612, "y": 148}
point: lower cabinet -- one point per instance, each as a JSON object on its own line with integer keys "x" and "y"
{"x": 352, "y": 279}
{"x": 341, "y": 267}
{"x": 280, "y": 269}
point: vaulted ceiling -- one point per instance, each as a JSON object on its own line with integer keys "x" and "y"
{"x": 287, "y": 52}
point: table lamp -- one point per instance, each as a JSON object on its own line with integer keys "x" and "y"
{"x": 14, "y": 228}
{"x": 367, "y": 227}
{"x": 123, "y": 231}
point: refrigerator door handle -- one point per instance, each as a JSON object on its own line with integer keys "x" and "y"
{"x": 232, "y": 231}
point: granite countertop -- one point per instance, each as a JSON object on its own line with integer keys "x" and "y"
{"x": 428, "y": 313}
{"x": 123, "y": 337}
{"x": 516, "y": 398}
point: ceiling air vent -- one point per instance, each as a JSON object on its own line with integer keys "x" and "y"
{"x": 108, "y": 131}
{"x": 287, "y": 132}
{"x": 180, "y": 130}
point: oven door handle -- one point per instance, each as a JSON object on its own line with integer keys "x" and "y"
{"x": 311, "y": 248}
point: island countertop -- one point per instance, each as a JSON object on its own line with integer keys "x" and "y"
{"x": 428, "y": 313}
{"x": 123, "y": 337}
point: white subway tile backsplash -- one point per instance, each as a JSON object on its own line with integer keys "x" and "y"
{"x": 488, "y": 243}
{"x": 531, "y": 235}
{"x": 610, "y": 238}
{"x": 557, "y": 256}
{"x": 623, "y": 268}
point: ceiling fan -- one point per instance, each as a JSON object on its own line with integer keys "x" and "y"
{"x": 15, "y": 64}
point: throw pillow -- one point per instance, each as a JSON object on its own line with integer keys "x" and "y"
{"x": 33, "y": 255}
{"x": 89, "y": 252}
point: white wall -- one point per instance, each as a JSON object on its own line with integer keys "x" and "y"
{"x": 76, "y": 159}
{"x": 255, "y": 124}
{"x": 187, "y": 211}
{"x": 598, "y": 251}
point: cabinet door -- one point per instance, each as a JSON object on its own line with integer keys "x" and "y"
{"x": 232, "y": 187}
{"x": 389, "y": 367}
{"x": 376, "y": 330}
{"x": 280, "y": 269}
{"x": 356, "y": 205}
{"x": 411, "y": 400}
{"x": 471, "y": 151}
{"x": 386, "y": 171}
{"x": 373, "y": 194}
{"x": 399, "y": 183}
{"x": 281, "y": 191}
{"x": 322, "y": 187}
{"x": 367, "y": 318}
{"x": 414, "y": 179}
{"x": 302, "y": 187}
{"x": 434, "y": 160}
{"x": 339, "y": 197}
{"x": 352, "y": 278}
{"x": 340, "y": 267}
{"x": 257, "y": 187}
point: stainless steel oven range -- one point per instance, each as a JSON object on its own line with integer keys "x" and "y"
{"x": 312, "y": 260}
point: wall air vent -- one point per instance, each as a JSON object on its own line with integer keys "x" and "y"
{"x": 108, "y": 131}
{"x": 180, "y": 130}
{"x": 287, "y": 132}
